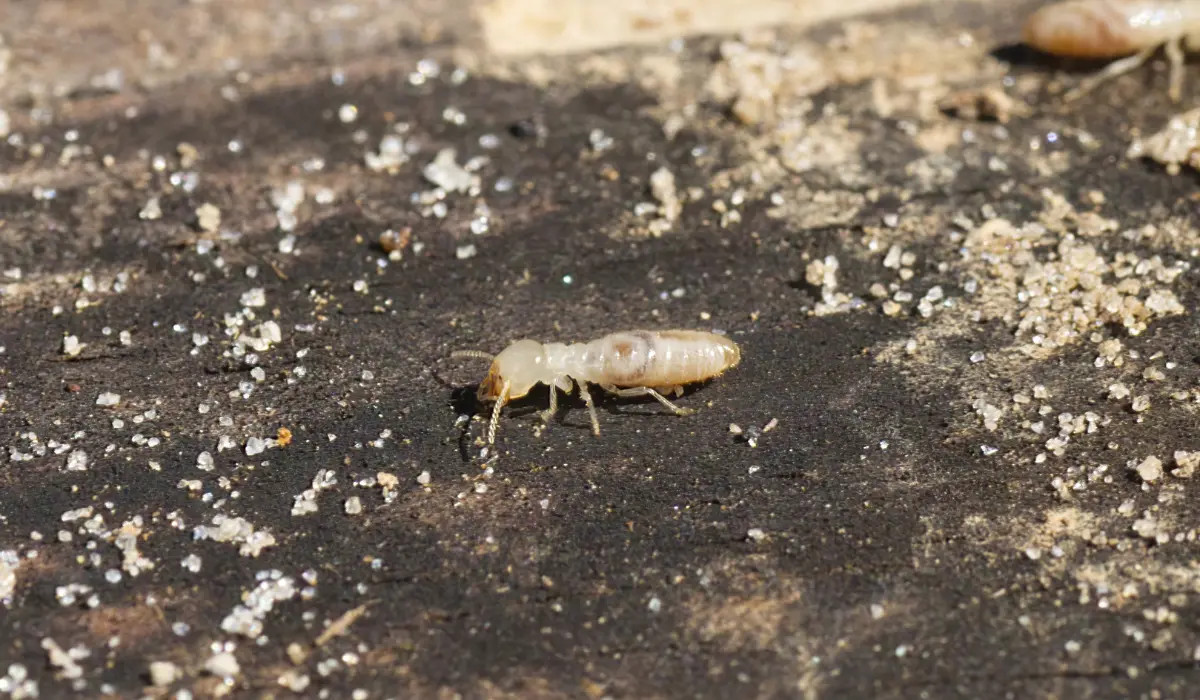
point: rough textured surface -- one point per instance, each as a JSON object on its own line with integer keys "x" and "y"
{"x": 976, "y": 339}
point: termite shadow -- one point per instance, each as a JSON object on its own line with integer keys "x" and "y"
{"x": 465, "y": 401}
{"x": 1022, "y": 55}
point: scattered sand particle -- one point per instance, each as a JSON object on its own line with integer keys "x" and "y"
{"x": 208, "y": 218}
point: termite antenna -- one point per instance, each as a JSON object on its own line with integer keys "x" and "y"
{"x": 500, "y": 401}
{"x": 473, "y": 354}
{"x": 469, "y": 354}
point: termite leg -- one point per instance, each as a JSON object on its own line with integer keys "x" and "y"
{"x": 647, "y": 391}
{"x": 500, "y": 401}
{"x": 1174, "y": 51}
{"x": 1112, "y": 70}
{"x": 548, "y": 414}
{"x": 587, "y": 398}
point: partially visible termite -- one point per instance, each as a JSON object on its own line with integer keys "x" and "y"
{"x": 1131, "y": 30}
{"x": 630, "y": 363}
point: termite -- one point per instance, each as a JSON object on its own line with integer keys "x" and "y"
{"x": 625, "y": 364}
{"x": 1116, "y": 29}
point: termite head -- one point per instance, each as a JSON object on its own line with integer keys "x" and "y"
{"x": 521, "y": 366}
{"x": 1076, "y": 29}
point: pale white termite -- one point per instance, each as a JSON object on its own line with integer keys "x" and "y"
{"x": 1132, "y": 30}
{"x": 629, "y": 363}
